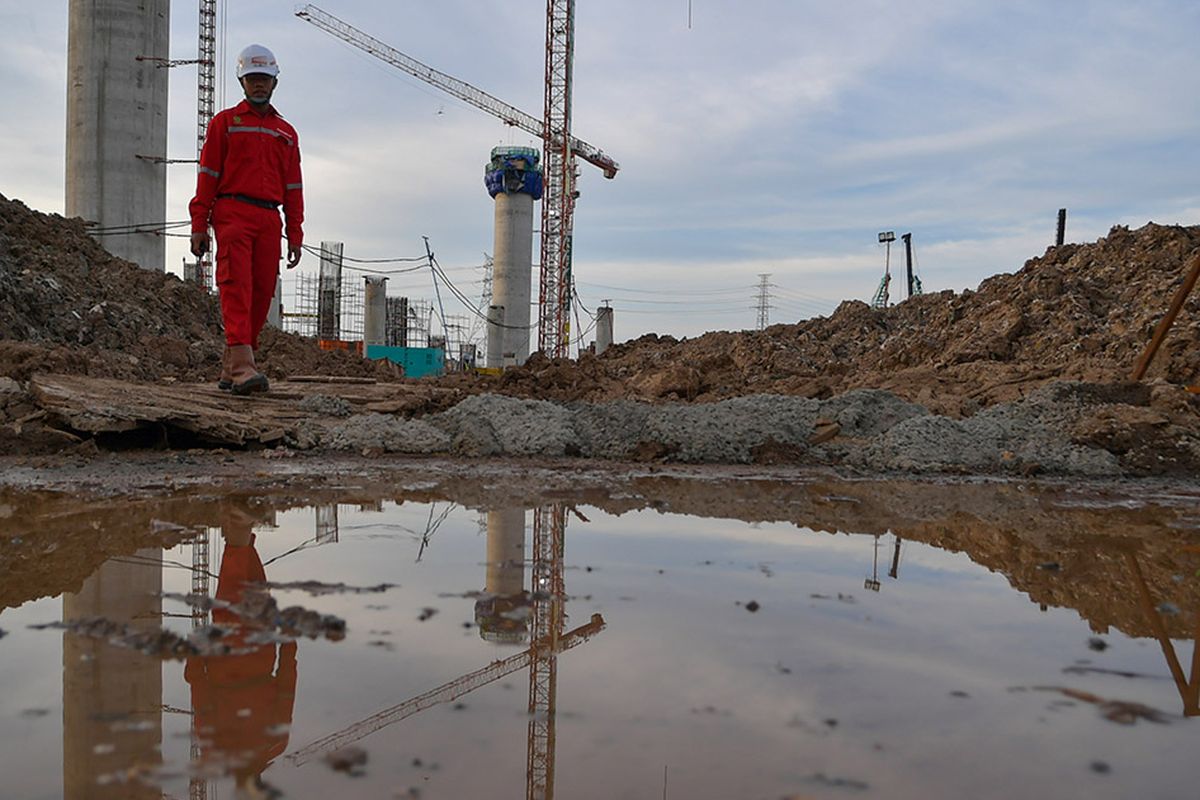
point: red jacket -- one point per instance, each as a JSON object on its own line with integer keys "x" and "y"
{"x": 251, "y": 154}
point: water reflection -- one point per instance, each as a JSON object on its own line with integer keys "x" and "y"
{"x": 1189, "y": 689}
{"x": 112, "y": 696}
{"x": 1122, "y": 567}
{"x": 501, "y": 613}
{"x": 242, "y": 702}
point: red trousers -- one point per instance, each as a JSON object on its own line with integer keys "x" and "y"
{"x": 248, "y": 252}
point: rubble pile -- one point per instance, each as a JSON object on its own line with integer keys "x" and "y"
{"x": 1079, "y": 312}
{"x": 67, "y": 305}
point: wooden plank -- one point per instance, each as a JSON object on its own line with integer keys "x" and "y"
{"x": 330, "y": 379}
{"x": 101, "y": 405}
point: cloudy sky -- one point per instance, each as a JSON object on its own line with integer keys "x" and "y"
{"x": 765, "y": 137}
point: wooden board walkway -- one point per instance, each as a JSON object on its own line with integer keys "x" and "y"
{"x": 93, "y": 406}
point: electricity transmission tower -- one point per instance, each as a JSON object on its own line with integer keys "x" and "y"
{"x": 764, "y": 297}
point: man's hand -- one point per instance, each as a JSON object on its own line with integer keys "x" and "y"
{"x": 200, "y": 243}
{"x": 293, "y": 256}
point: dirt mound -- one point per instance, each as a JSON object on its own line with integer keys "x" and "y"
{"x": 1079, "y": 312}
{"x": 68, "y": 305}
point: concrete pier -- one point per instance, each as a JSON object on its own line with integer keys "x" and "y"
{"x": 514, "y": 179}
{"x": 116, "y": 112}
{"x": 604, "y": 328}
{"x": 375, "y": 310}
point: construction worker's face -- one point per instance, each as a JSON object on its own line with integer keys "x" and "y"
{"x": 258, "y": 87}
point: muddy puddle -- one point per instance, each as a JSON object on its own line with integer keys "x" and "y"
{"x": 665, "y": 638}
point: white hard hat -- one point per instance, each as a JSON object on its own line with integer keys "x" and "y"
{"x": 256, "y": 59}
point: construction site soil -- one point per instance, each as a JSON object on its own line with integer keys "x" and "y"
{"x": 938, "y": 371}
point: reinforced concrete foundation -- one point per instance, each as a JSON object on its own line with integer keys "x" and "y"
{"x": 117, "y": 124}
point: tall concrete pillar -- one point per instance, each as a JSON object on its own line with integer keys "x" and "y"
{"x": 604, "y": 328}
{"x": 375, "y": 310}
{"x": 117, "y": 111}
{"x": 503, "y": 613}
{"x": 514, "y": 179}
{"x": 103, "y": 682}
{"x": 275, "y": 312}
{"x": 495, "y": 337}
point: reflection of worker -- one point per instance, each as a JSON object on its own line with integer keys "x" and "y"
{"x": 249, "y": 167}
{"x": 242, "y": 702}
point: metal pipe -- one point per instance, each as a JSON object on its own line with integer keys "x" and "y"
{"x": 1160, "y": 333}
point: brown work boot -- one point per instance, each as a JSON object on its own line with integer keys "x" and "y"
{"x": 225, "y": 382}
{"x": 246, "y": 378}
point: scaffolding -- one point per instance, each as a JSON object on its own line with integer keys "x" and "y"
{"x": 420, "y": 323}
{"x": 352, "y": 311}
{"x": 396, "y": 326}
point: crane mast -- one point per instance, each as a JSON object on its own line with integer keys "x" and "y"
{"x": 558, "y": 202}
{"x": 206, "y": 81}
{"x": 560, "y": 149}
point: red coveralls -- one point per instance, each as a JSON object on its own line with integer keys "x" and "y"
{"x": 249, "y": 166}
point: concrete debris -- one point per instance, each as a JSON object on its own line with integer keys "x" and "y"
{"x": 877, "y": 431}
{"x": 327, "y": 405}
{"x": 383, "y": 431}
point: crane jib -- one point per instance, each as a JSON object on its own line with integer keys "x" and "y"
{"x": 464, "y": 91}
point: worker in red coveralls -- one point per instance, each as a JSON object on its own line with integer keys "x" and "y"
{"x": 243, "y": 701}
{"x": 249, "y": 168}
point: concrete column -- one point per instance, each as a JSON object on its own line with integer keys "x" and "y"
{"x": 514, "y": 179}
{"x": 512, "y": 275}
{"x": 495, "y": 337}
{"x": 604, "y": 328}
{"x": 103, "y": 682}
{"x": 275, "y": 313}
{"x": 375, "y": 311}
{"x": 116, "y": 111}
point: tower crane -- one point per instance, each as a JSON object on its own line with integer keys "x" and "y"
{"x": 547, "y": 641}
{"x": 560, "y": 149}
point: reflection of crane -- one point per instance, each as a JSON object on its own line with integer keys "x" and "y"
{"x": 1189, "y": 688}
{"x": 547, "y": 641}
{"x": 560, "y": 148}
{"x": 198, "y": 785}
{"x": 549, "y": 594}
{"x": 442, "y": 694}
